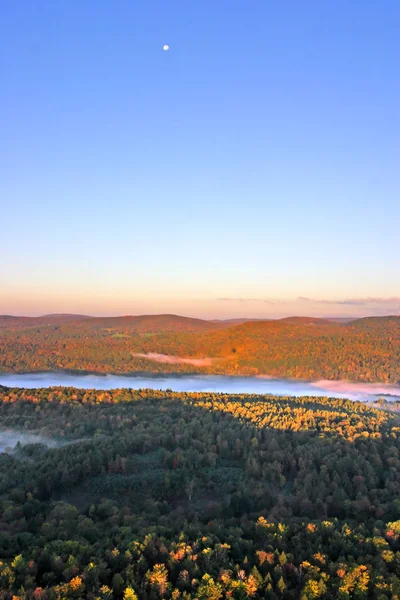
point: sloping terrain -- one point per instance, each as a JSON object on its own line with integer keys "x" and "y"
{"x": 305, "y": 348}
{"x": 198, "y": 496}
{"x": 13, "y": 322}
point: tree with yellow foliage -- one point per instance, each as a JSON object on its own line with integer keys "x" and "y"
{"x": 157, "y": 579}
{"x": 129, "y": 594}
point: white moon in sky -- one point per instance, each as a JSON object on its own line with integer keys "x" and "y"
{"x": 165, "y": 47}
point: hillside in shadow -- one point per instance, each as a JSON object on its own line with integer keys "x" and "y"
{"x": 233, "y": 477}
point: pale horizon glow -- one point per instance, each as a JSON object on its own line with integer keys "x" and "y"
{"x": 218, "y": 308}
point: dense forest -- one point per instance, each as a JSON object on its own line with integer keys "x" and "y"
{"x": 361, "y": 350}
{"x": 161, "y": 495}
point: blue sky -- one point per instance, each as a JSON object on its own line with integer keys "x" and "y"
{"x": 250, "y": 170}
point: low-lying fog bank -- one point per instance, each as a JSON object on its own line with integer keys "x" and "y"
{"x": 10, "y": 438}
{"x": 206, "y": 383}
{"x": 175, "y": 360}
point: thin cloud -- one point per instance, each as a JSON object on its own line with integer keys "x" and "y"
{"x": 246, "y": 300}
{"x": 392, "y": 302}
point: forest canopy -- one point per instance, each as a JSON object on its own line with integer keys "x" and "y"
{"x": 153, "y": 495}
{"x": 362, "y": 350}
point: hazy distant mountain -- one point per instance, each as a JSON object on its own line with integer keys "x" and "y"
{"x": 304, "y": 320}
{"x": 155, "y": 323}
{"x": 152, "y": 323}
{"x": 21, "y": 322}
{"x": 65, "y": 316}
{"x": 237, "y": 321}
{"x": 138, "y": 323}
{"x": 376, "y": 323}
{"x": 341, "y": 319}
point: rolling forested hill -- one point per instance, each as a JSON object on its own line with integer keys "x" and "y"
{"x": 362, "y": 350}
{"x": 141, "y": 323}
{"x": 12, "y": 322}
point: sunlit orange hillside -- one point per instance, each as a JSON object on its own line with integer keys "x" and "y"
{"x": 362, "y": 350}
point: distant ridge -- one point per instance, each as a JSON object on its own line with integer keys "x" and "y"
{"x": 21, "y": 322}
{"x": 341, "y": 319}
{"x": 304, "y": 320}
{"x": 239, "y": 320}
{"x": 138, "y": 323}
{"x": 66, "y": 316}
{"x": 152, "y": 323}
{"x": 376, "y": 321}
{"x": 163, "y": 322}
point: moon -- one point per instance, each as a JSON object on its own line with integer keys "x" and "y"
{"x": 165, "y": 47}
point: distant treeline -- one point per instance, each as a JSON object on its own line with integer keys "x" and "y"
{"x": 198, "y": 496}
{"x": 363, "y": 350}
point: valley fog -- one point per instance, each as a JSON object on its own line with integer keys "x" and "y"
{"x": 199, "y": 383}
{"x": 10, "y": 438}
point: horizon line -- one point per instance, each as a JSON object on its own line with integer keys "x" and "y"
{"x": 211, "y": 319}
